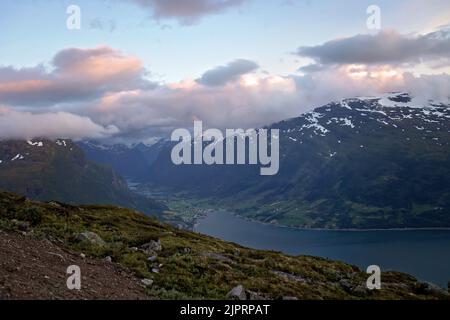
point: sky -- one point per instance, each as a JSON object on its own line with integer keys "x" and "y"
{"x": 137, "y": 69}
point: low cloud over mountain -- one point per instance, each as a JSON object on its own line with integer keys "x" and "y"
{"x": 110, "y": 95}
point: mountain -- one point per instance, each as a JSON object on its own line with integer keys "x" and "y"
{"x": 59, "y": 171}
{"x": 132, "y": 162}
{"x": 40, "y": 239}
{"x": 374, "y": 162}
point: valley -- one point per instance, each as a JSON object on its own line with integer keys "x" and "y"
{"x": 170, "y": 263}
{"x": 361, "y": 163}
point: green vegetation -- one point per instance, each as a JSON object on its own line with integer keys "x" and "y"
{"x": 60, "y": 171}
{"x": 194, "y": 266}
{"x": 389, "y": 169}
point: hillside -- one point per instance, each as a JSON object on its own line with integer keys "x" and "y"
{"x": 381, "y": 162}
{"x": 59, "y": 171}
{"x": 35, "y": 269}
{"x": 176, "y": 264}
{"x": 132, "y": 162}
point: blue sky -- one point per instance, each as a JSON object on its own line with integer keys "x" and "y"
{"x": 31, "y": 31}
{"x": 139, "y": 68}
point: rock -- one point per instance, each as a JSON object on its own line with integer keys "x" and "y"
{"x": 290, "y": 298}
{"x": 54, "y": 204}
{"x": 359, "y": 291}
{"x": 290, "y": 277}
{"x": 108, "y": 259}
{"x": 82, "y": 255}
{"x": 346, "y": 285}
{"x": 91, "y": 238}
{"x": 238, "y": 293}
{"x": 152, "y": 258}
{"x": 216, "y": 256}
{"x": 147, "y": 282}
{"x": 254, "y": 296}
{"x": 156, "y": 270}
{"x": 134, "y": 249}
{"x": 152, "y": 246}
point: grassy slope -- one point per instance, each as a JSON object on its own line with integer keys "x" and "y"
{"x": 195, "y": 266}
{"x": 63, "y": 173}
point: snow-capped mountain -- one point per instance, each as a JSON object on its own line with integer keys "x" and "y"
{"x": 131, "y": 161}
{"x": 367, "y": 162}
{"x": 59, "y": 171}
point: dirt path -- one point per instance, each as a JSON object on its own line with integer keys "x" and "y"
{"x": 36, "y": 269}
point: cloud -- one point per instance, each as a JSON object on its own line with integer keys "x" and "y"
{"x": 77, "y": 74}
{"x": 224, "y": 74}
{"x": 187, "y": 11}
{"x": 245, "y": 104}
{"x": 102, "y": 94}
{"x": 384, "y": 48}
{"x": 26, "y": 125}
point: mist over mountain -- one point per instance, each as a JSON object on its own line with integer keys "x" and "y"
{"x": 374, "y": 162}
{"x": 131, "y": 161}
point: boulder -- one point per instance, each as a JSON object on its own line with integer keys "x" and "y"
{"x": 238, "y": 293}
{"x": 152, "y": 246}
{"x": 91, "y": 238}
{"x": 156, "y": 270}
{"x": 147, "y": 282}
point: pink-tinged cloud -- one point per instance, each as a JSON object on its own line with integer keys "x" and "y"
{"x": 26, "y": 125}
{"x": 102, "y": 93}
{"x": 77, "y": 74}
{"x": 254, "y": 101}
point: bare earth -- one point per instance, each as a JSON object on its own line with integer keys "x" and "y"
{"x": 36, "y": 269}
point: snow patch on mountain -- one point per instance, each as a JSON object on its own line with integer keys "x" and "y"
{"x": 35, "y": 144}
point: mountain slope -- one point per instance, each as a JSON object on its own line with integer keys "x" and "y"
{"x": 28, "y": 262}
{"x": 132, "y": 162}
{"x": 359, "y": 163}
{"x": 59, "y": 171}
{"x": 183, "y": 265}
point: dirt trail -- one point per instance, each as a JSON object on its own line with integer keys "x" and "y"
{"x": 36, "y": 269}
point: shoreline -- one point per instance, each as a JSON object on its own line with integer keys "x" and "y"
{"x": 326, "y": 229}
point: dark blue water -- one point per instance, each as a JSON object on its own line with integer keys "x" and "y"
{"x": 422, "y": 253}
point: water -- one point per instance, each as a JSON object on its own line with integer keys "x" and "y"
{"x": 422, "y": 253}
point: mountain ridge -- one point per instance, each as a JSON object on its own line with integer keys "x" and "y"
{"x": 364, "y": 163}
{"x": 57, "y": 170}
